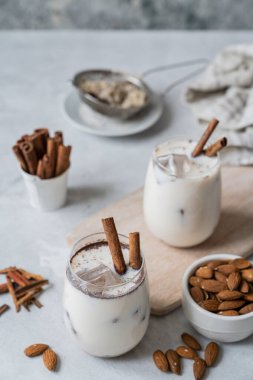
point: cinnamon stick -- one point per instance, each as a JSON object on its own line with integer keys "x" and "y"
{"x": 30, "y": 294}
{"x": 4, "y": 308}
{"x": 58, "y": 136}
{"x": 209, "y": 130}
{"x": 63, "y": 155}
{"x": 18, "y": 278}
{"x": 52, "y": 154}
{"x": 12, "y": 293}
{"x": 43, "y": 132}
{"x": 3, "y": 288}
{"x": 213, "y": 149}
{"x": 30, "y": 275}
{"x": 37, "y": 140}
{"x": 114, "y": 245}
{"x": 37, "y": 303}
{"x": 40, "y": 170}
{"x": 18, "y": 153}
{"x": 34, "y": 285}
{"x": 47, "y": 167}
{"x": 29, "y": 154}
{"x": 135, "y": 259}
{"x": 6, "y": 270}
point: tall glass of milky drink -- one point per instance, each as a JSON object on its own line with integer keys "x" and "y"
{"x": 182, "y": 195}
{"x": 107, "y": 313}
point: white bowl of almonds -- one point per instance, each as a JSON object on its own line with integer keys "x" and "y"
{"x": 217, "y": 297}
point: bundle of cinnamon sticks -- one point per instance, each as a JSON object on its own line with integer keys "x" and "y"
{"x": 214, "y": 148}
{"x": 23, "y": 288}
{"x": 42, "y": 155}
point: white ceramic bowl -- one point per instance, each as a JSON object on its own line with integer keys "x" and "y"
{"x": 214, "y": 326}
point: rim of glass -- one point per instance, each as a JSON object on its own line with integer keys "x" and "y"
{"x": 96, "y": 234}
{"x": 180, "y": 139}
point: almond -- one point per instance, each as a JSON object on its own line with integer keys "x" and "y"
{"x": 35, "y": 349}
{"x": 204, "y": 272}
{"x": 234, "y": 280}
{"x": 246, "y": 309}
{"x": 247, "y": 274}
{"x": 199, "y": 368}
{"x": 229, "y": 313}
{"x": 195, "y": 281}
{"x": 186, "y": 352}
{"x": 197, "y": 294}
{"x": 229, "y": 295}
{"x": 229, "y": 305}
{"x": 211, "y": 353}
{"x": 227, "y": 269}
{"x": 220, "y": 277}
{"x": 248, "y": 297}
{"x": 174, "y": 361}
{"x": 50, "y": 359}
{"x": 215, "y": 263}
{"x": 245, "y": 288}
{"x": 213, "y": 286}
{"x": 190, "y": 341}
{"x": 161, "y": 361}
{"x": 241, "y": 263}
{"x": 210, "y": 305}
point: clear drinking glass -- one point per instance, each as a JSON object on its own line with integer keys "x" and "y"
{"x": 107, "y": 320}
{"x": 182, "y": 210}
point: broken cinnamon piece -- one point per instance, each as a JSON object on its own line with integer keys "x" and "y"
{"x": 12, "y": 293}
{"x": 40, "y": 170}
{"x": 30, "y": 275}
{"x": 52, "y": 154}
{"x": 18, "y": 278}
{"x": 58, "y": 136}
{"x": 4, "y": 308}
{"x": 213, "y": 149}
{"x": 30, "y": 294}
{"x": 35, "y": 285}
{"x": 18, "y": 153}
{"x": 63, "y": 162}
{"x": 135, "y": 259}
{"x": 37, "y": 303}
{"x": 114, "y": 245}
{"x": 7, "y": 270}
{"x": 3, "y": 288}
{"x": 29, "y": 154}
{"x": 37, "y": 140}
{"x": 209, "y": 130}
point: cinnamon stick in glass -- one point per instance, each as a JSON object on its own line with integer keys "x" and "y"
{"x": 135, "y": 259}
{"x": 63, "y": 162}
{"x": 44, "y": 135}
{"x": 213, "y": 149}
{"x": 40, "y": 170}
{"x": 58, "y": 136}
{"x": 206, "y": 135}
{"x": 114, "y": 245}
{"x": 29, "y": 154}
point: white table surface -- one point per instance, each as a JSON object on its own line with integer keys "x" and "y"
{"x": 35, "y": 71}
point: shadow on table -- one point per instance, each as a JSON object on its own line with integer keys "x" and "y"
{"x": 80, "y": 194}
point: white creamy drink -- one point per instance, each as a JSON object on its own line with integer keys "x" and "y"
{"x": 182, "y": 195}
{"x": 108, "y": 313}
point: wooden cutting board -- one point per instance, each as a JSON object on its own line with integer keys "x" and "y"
{"x": 166, "y": 264}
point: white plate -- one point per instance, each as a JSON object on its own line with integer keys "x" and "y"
{"x": 87, "y": 120}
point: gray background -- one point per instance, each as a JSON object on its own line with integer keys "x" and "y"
{"x": 126, "y": 14}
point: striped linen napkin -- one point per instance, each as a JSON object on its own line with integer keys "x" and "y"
{"x": 225, "y": 91}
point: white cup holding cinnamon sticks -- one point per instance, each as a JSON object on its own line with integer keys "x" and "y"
{"x": 44, "y": 164}
{"x": 46, "y": 194}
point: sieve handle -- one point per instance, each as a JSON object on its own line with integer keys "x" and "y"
{"x": 177, "y": 65}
